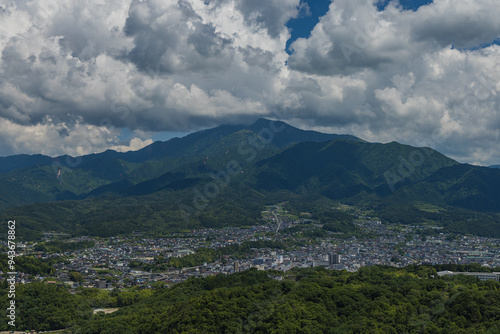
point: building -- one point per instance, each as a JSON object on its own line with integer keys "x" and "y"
{"x": 482, "y": 276}
{"x": 100, "y": 284}
{"x": 333, "y": 259}
{"x": 258, "y": 261}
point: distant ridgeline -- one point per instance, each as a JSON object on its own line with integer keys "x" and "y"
{"x": 224, "y": 176}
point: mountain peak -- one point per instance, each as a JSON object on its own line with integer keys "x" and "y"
{"x": 282, "y": 134}
{"x": 277, "y": 133}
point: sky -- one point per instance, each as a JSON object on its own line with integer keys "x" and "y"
{"x": 78, "y": 77}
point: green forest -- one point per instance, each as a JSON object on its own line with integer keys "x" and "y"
{"x": 186, "y": 184}
{"x": 374, "y": 299}
{"x": 30, "y": 265}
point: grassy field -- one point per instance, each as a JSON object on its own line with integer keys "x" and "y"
{"x": 429, "y": 207}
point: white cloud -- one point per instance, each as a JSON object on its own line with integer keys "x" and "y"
{"x": 134, "y": 145}
{"x": 50, "y": 138}
{"x": 464, "y": 24}
{"x": 417, "y": 88}
{"x": 76, "y": 71}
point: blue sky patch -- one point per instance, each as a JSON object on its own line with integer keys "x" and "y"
{"x": 302, "y": 26}
{"x": 405, "y": 4}
{"x": 480, "y": 46}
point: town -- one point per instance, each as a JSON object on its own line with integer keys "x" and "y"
{"x": 141, "y": 261}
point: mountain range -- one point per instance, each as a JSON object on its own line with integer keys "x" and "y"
{"x": 225, "y": 175}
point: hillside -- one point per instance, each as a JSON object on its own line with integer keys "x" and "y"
{"x": 45, "y": 179}
{"x": 276, "y": 133}
{"x": 342, "y": 169}
{"x": 224, "y": 176}
{"x": 313, "y": 300}
{"x": 463, "y": 185}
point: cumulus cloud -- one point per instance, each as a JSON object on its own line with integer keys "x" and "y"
{"x": 171, "y": 37}
{"x": 464, "y": 24}
{"x": 75, "y": 73}
{"x": 146, "y": 65}
{"x": 74, "y": 138}
{"x": 271, "y": 15}
{"x": 424, "y": 77}
{"x": 134, "y": 145}
{"x": 351, "y": 37}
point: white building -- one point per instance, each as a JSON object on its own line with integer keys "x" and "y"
{"x": 482, "y": 276}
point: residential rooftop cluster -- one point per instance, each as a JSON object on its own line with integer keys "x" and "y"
{"x": 119, "y": 262}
